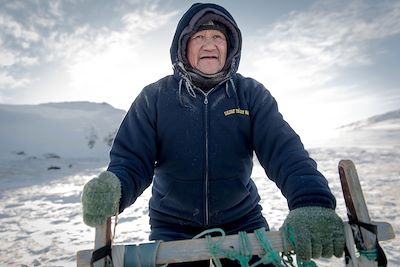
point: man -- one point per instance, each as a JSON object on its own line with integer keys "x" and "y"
{"x": 193, "y": 135}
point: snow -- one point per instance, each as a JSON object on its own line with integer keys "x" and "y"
{"x": 65, "y": 129}
{"x": 40, "y": 212}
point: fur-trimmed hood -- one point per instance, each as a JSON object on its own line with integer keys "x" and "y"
{"x": 201, "y": 13}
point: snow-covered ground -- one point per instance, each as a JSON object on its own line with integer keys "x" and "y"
{"x": 40, "y": 212}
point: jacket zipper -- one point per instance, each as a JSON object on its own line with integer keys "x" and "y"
{"x": 206, "y": 207}
{"x": 206, "y": 170}
{"x": 206, "y": 182}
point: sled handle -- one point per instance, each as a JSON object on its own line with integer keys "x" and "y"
{"x": 101, "y": 239}
{"x": 354, "y": 198}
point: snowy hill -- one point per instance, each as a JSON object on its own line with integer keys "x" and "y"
{"x": 68, "y": 129}
{"x": 389, "y": 120}
{"x": 378, "y": 131}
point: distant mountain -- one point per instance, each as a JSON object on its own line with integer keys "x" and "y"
{"x": 382, "y": 130}
{"x": 67, "y": 129}
{"x": 391, "y": 119}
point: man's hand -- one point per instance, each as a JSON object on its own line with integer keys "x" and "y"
{"x": 100, "y": 198}
{"x": 316, "y": 232}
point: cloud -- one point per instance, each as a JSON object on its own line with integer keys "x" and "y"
{"x": 16, "y": 53}
{"x": 86, "y": 42}
{"x": 9, "y": 82}
{"x": 306, "y": 59}
{"x": 309, "y": 48}
{"x": 12, "y": 28}
{"x": 93, "y": 54}
{"x": 147, "y": 20}
{"x": 9, "y": 58}
{"x": 55, "y": 8}
{"x": 98, "y": 60}
{"x": 6, "y": 58}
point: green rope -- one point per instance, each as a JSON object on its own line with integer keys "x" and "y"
{"x": 214, "y": 248}
{"x": 289, "y": 235}
{"x": 371, "y": 255}
{"x": 270, "y": 256}
{"x": 244, "y": 254}
{"x": 245, "y": 249}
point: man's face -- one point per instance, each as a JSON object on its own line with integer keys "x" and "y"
{"x": 206, "y": 51}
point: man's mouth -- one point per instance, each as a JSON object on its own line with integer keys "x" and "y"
{"x": 208, "y": 57}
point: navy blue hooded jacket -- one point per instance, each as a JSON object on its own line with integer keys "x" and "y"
{"x": 197, "y": 147}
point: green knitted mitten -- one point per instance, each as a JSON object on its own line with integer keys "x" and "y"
{"x": 100, "y": 198}
{"x": 316, "y": 232}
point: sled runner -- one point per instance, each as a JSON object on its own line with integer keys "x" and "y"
{"x": 362, "y": 240}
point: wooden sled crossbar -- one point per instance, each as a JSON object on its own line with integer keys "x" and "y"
{"x": 191, "y": 249}
{"x": 197, "y": 249}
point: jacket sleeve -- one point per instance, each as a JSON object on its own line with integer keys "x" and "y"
{"x": 283, "y": 156}
{"x": 133, "y": 154}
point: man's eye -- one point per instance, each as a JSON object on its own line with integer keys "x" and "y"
{"x": 219, "y": 38}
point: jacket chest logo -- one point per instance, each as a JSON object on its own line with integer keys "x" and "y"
{"x": 236, "y": 111}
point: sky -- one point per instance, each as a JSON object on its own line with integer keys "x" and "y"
{"x": 328, "y": 63}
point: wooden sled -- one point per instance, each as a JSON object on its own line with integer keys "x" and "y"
{"x": 359, "y": 236}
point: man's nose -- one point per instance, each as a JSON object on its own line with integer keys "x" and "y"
{"x": 209, "y": 42}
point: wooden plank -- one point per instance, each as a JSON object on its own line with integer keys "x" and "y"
{"x": 83, "y": 258}
{"x": 182, "y": 250}
{"x": 351, "y": 260}
{"x": 102, "y": 237}
{"x": 197, "y": 249}
{"x": 385, "y": 231}
{"x": 192, "y": 249}
{"x": 355, "y": 202}
{"x": 364, "y": 240}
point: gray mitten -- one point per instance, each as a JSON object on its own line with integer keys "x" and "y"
{"x": 316, "y": 231}
{"x": 100, "y": 198}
